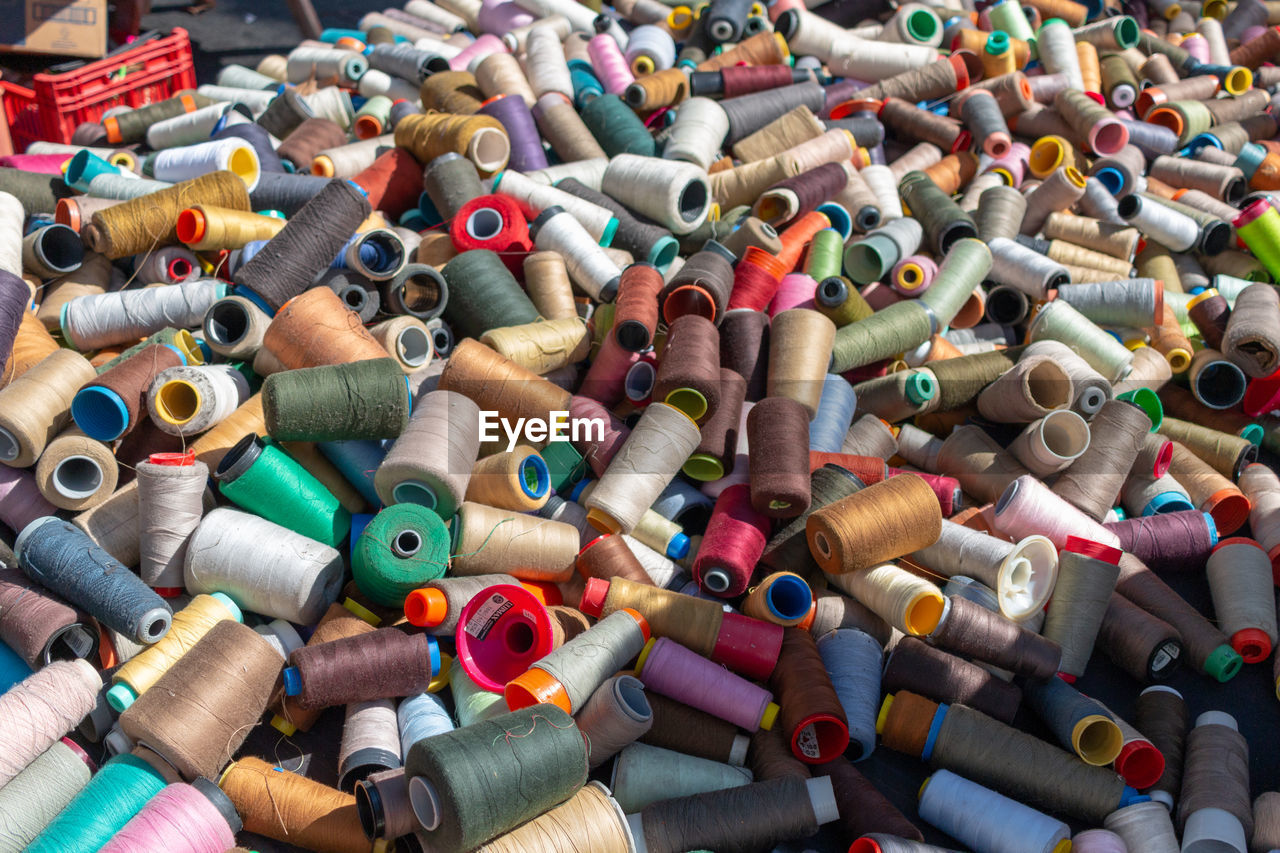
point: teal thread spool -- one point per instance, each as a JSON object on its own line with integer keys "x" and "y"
{"x": 260, "y": 477}
{"x": 403, "y": 547}
{"x": 338, "y": 402}
{"x": 114, "y": 795}
{"x": 473, "y": 784}
{"x": 616, "y": 127}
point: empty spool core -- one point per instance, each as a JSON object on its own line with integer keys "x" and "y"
{"x": 228, "y": 322}
{"x": 414, "y": 346}
{"x": 693, "y": 200}
{"x": 484, "y": 224}
{"x": 77, "y": 477}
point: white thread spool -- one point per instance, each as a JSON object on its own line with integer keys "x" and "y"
{"x": 700, "y": 127}
{"x": 375, "y": 82}
{"x": 544, "y": 62}
{"x": 651, "y": 456}
{"x": 1051, "y": 443}
{"x": 913, "y": 23}
{"x": 187, "y": 128}
{"x": 675, "y": 195}
{"x": 853, "y": 660}
{"x": 446, "y": 20}
{"x": 911, "y": 604}
{"x": 170, "y": 506}
{"x": 1029, "y": 271}
{"x": 660, "y": 568}
{"x": 884, "y": 185}
{"x": 437, "y": 45}
{"x": 262, "y": 566}
{"x": 589, "y": 172}
{"x": 556, "y": 230}
{"x": 1022, "y": 574}
{"x": 986, "y": 821}
{"x": 645, "y": 774}
{"x": 1166, "y": 226}
{"x": 234, "y": 327}
{"x": 407, "y": 339}
{"x": 333, "y": 103}
{"x": 240, "y": 77}
{"x": 1056, "y": 46}
{"x": 599, "y": 222}
{"x": 191, "y": 161}
{"x": 582, "y": 18}
{"x": 1144, "y": 827}
{"x": 189, "y": 400}
{"x": 345, "y": 161}
{"x": 12, "y": 215}
{"x": 651, "y": 49}
{"x": 344, "y": 67}
{"x": 105, "y": 319}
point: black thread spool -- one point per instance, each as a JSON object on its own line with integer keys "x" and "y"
{"x": 944, "y": 222}
{"x": 356, "y": 292}
{"x": 285, "y": 112}
{"x": 726, "y": 19}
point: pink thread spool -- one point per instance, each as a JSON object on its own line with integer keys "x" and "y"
{"x": 912, "y": 275}
{"x": 598, "y": 453}
{"x": 501, "y": 633}
{"x": 606, "y": 378}
{"x": 795, "y": 291}
{"x": 195, "y": 818}
{"x": 669, "y": 668}
{"x": 732, "y": 545}
{"x": 609, "y": 63}
{"x": 478, "y": 49}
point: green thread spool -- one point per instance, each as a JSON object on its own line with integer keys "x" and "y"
{"x": 825, "y": 254}
{"x": 260, "y": 477}
{"x": 472, "y": 784}
{"x": 1259, "y": 227}
{"x": 900, "y": 327}
{"x": 1188, "y": 119}
{"x": 114, "y": 795}
{"x": 338, "y": 402}
{"x": 616, "y": 127}
{"x": 1058, "y": 321}
{"x": 1008, "y": 16}
{"x": 180, "y": 339}
{"x": 944, "y": 222}
{"x": 402, "y": 548}
{"x": 483, "y": 295}
{"x": 960, "y": 272}
{"x": 840, "y": 301}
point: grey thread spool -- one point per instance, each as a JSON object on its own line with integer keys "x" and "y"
{"x": 370, "y": 742}
{"x": 617, "y": 714}
{"x": 1093, "y": 482}
{"x": 1080, "y": 601}
{"x": 644, "y": 774}
{"x": 1018, "y": 266}
{"x": 1090, "y": 390}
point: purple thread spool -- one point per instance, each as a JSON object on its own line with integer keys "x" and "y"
{"x": 513, "y": 114}
{"x": 686, "y": 676}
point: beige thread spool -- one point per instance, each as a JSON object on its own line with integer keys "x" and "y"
{"x": 1118, "y": 241}
{"x": 93, "y": 276}
{"x": 510, "y": 480}
{"x": 869, "y": 436}
{"x": 907, "y": 602}
{"x": 407, "y": 339}
{"x": 982, "y": 466}
{"x": 488, "y": 540}
{"x": 431, "y": 461}
{"x": 234, "y": 328}
{"x": 544, "y": 346}
{"x": 1033, "y": 388}
{"x": 547, "y": 280}
{"x": 76, "y": 472}
{"x": 799, "y": 354}
{"x": 36, "y": 405}
{"x": 1051, "y": 443}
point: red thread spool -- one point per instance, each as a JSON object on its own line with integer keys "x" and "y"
{"x": 496, "y": 223}
{"x": 636, "y": 317}
{"x": 501, "y": 633}
{"x": 756, "y": 279}
{"x": 1140, "y": 763}
{"x": 950, "y": 495}
{"x": 868, "y": 469}
{"x": 393, "y": 182}
{"x": 732, "y": 545}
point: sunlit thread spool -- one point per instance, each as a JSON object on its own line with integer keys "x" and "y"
{"x": 598, "y": 221}
{"x": 910, "y": 604}
{"x": 195, "y": 818}
{"x": 190, "y": 400}
{"x": 115, "y": 794}
{"x": 544, "y": 63}
{"x": 1028, "y": 507}
{"x": 146, "y": 223}
{"x": 1059, "y": 321}
{"x": 735, "y": 538}
{"x": 35, "y": 797}
{"x": 673, "y": 670}
{"x": 370, "y": 742}
{"x": 967, "y": 811}
{"x": 294, "y": 809}
{"x": 487, "y": 540}
{"x": 617, "y": 714}
{"x": 43, "y": 707}
{"x": 590, "y": 817}
{"x": 232, "y": 155}
{"x": 681, "y": 203}
{"x": 481, "y": 139}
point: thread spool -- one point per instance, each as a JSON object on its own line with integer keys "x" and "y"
{"x": 189, "y": 400}
{"x": 279, "y": 804}
{"x": 674, "y": 671}
{"x": 120, "y": 789}
{"x": 640, "y": 766}
{"x": 328, "y": 674}
{"x": 487, "y": 540}
{"x": 36, "y": 796}
{"x": 616, "y": 715}
{"x": 409, "y": 475}
{"x": 42, "y": 708}
{"x": 967, "y": 811}
{"x": 918, "y": 667}
{"x": 1161, "y": 714}
{"x": 734, "y": 539}
{"x": 1023, "y": 574}
{"x": 973, "y": 630}
{"x": 838, "y": 548}
{"x": 1238, "y": 581}
{"x": 1214, "y": 808}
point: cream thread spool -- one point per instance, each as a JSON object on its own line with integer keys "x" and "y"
{"x": 544, "y": 346}
{"x": 555, "y": 229}
{"x": 488, "y": 540}
{"x": 1051, "y": 443}
{"x": 1239, "y": 574}
{"x": 170, "y": 506}
{"x": 37, "y": 405}
{"x": 345, "y": 67}
{"x": 414, "y": 471}
{"x": 1022, "y": 574}
{"x": 516, "y": 480}
{"x": 348, "y": 160}
{"x": 407, "y": 339}
{"x": 189, "y": 400}
{"x": 188, "y": 128}
{"x": 1027, "y": 270}
{"x": 699, "y": 129}
{"x": 231, "y": 155}
{"x": 500, "y": 74}
{"x": 908, "y": 603}
{"x": 1089, "y": 388}
{"x": 675, "y": 195}
{"x": 234, "y": 327}
{"x": 544, "y": 62}
{"x": 75, "y": 472}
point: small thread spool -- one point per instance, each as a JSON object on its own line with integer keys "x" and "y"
{"x": 782, "y": 598}
{"x": 1023, "y": 574}
{"x": 968, "y": 811}
{"x": 403, "y": 547}
{"x": 734, "y": 539}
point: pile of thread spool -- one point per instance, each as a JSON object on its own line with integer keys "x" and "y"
{"x": 604, "y": 427}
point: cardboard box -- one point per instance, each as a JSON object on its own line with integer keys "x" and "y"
{"x": 58, "y": 27}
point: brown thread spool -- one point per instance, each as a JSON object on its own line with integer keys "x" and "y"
{"x": 1250, "y": 339}
{"x": 953, "y": 172}
{"x": 1143, "y": 645}
{"x": 761, "y": 813}
{"x": 812, "y": 717}
{"x": 908, "y": 121}
{"x": 30, "y": 346}
{"x": 500, "y": 74}
{"x": 488, "y": 540}
{"x": 1202, "y": 641}
{"x": 799, "y": 352}
{"x": 863, "y": 809}
{"x": 1169, "y": 340}
{"x": 789, "y": 548}
{"x": 982, "y": 466}
{"x": 337, "y": 623}
{"x": 452, "y": 92}
{"x": 293, "y": 809}
{"x": 883, "y": 521}
{"x": 660, "y": 89}
{"x": 199, "y": 712}
{"x": 918, "y": 667}
{"x": 1161, "y": 715}
{"x": 1180, "y": 403}
{"x": 608, "y": 557}
{"x": 1226, "y": 453}
{"x": 1032, "y": 388}
{"x": 689, "y": 371}
{"x": 373, "y": 665}
{"x": 1118, "y": 241}
{"x": 308, "y": 139}
{"x": 1215, "y": 773}
{"x": 1209, "y": 490}
{"x": 499, "y": 384}
{"x": 1266, "y": 817}
{"x": 970, "y": 629}
{"x": 317, "y": 329}
{"x": 680, "y": 728}
{"x": 547, "y": 280}
{"x": 149, "y": 222}
{"x": 562, "y": 127}
{"x": 635, "y": 318}
{"x": 799, "y": 125}
{"x": 131, "y": 379}
{"x": 778, "y": 427}
{"x": 37, "y": 404}
{"x": 38, "y": 625}
{"x": 769, "y": 757}
{"x": 1093, "y": 482}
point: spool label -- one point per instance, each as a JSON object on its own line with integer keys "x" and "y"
{"x": 807, "y": 743}
{"x": 1164, "y": 656}
{"x": 487, "y": 615}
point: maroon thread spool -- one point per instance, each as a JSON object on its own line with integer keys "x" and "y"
{"x": 378, "y": 665}
{"x": 778, "y": 438}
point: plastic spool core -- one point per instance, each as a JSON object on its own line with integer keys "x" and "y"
{"x": 414, "y": 346}
{"x": 77, "y": 477}
{"x": 406, "y": 543}
{"x": 484, "y": 223}
{"x": 1220, "y": 385}
{"x": 177, "y": 401}
{"x": 789, "y": 598}
{"x": 715, "y": 580}
{"x": 9, "y": 448}
{"x": 228, "y": 322}
{"x": 519, "y": 637}
{"x": 60, "y": 248}
{"x": 490, "y": 149}
{"x": 535, "y": 478}
{"x": 414, "y": 492}
{"x": 693, "y": 201}
{"x": 425, "y": 802}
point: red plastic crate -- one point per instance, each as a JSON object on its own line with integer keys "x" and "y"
{"x": 51, "y": 111}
